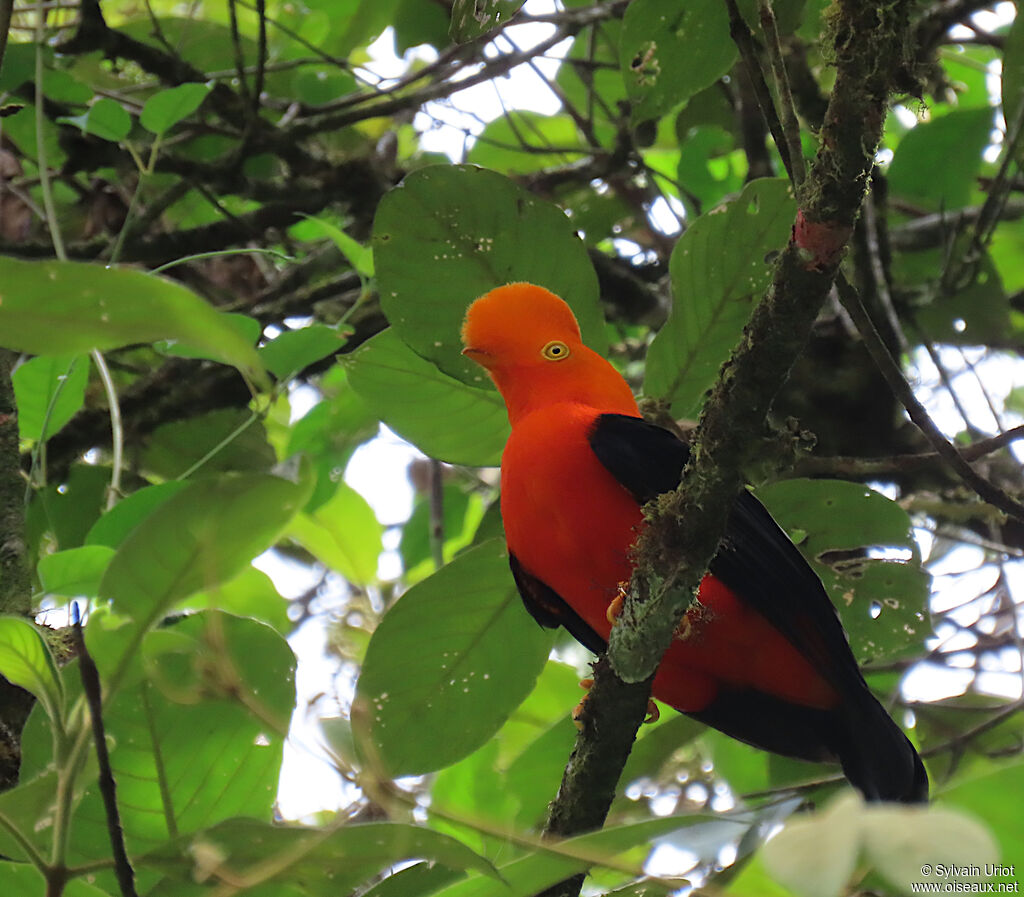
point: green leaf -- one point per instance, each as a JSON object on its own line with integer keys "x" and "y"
{"x": 28, "y": 806}
{"x": 68, "y": 509}
{"x": 473, "y": 18}
{"x": 450, "y": 233}
{"x": 443, "y": 417}
{"x": 164, "y": 109}
{"x": 49, "y": 391}
{"x": 322, "y": 861}
{"x": 76, "y": 572}
{"x": 25, "y": 660}
{"x": 229, "y": 439}
{"x": 197, "y": 539}
{"x": 106, "y": 119}
{"x": 359, "y": 257}
{"x": 1013, "y": 70}
{"x": 474, "y": 788}
{"x": 983, "y": 788}
{"x": 114, "y": 526}
{"x": 250, "y": 594}
{"x": 293, "y": 350}
{"x": 343, "y": 534}
{"x": 447, "y": 665}
{"x": 936, "y": 164}
{"x": 669, "y": 51}
{"x": 52, "y": 307}
{"x": 247, "y": 330}
{"x": 336, "y": 425}
{"x": 197, "y": 733}
{"x": 835, "y": 523}
{"x": 522, "y": 141}
{"x": 24, "y": 880}
{"x": 719, "y": 272}
{"x": 816, "y": 855}
{"x": 531, "y": 874}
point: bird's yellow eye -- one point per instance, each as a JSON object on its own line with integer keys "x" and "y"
{"x": 556, "y": 350}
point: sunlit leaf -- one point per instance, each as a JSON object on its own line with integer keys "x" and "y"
{"x": 75, "y": 572}
{"x": 49, "y": 391}
{"x": 197, "y": 539}
{"x": 25, "y": 660}
{"x": 117, "y": 522}
{"x": 198, "y": 729}
{"x": 359, "y": 256}
{"x": 343, "y": 533}
{"x": 52, "y": 307}
{"x": 815, "y": 856}
{"x": 443, "y": 417}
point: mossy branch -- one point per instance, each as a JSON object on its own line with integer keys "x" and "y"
{"x": 684, "y": 527}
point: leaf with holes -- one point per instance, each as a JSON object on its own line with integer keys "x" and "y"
{"x": 846, "y": 530}
{"x": 473, "y": 18}
{"x": 447, "y": 665}
{"x": 669, "y": 51}
{"x": 449, "y": 233}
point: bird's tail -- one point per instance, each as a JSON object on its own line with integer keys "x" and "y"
{"x": 876, "y": 756}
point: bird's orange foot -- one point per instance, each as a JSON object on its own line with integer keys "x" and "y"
{"x": 577, "y": 711}
{"x": 615, "y": 608}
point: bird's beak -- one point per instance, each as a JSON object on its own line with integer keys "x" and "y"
{"x": 478, "y": 355}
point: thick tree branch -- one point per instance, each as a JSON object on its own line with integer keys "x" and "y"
{"x": 684, "y": 527}
{"x": 15, "y": 582}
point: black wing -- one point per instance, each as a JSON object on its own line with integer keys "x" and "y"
{"x": 549, "y": 609}
{"x": 756, "y": 559}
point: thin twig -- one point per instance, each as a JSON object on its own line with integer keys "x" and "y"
{"x": 744, "y": 40}
{"x": 261, "y": 62}
{"x": 437, "y": 513}
{"x": 44, "y": 172}
{"x": 890, "y": 370}
{"x": 790, "y": 122}
{"x": 108, "y": 788}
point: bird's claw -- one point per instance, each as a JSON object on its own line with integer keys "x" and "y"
{"x": 614, "y": 610}
{"x": 652, "y": 716}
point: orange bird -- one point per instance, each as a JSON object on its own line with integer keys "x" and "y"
{"x": 762, "y": 657}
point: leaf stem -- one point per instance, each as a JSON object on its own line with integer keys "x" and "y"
{"x": 53, "y": 225}
{"x": 116, "y": 427}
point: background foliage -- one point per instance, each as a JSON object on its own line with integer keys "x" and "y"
{"x": 230, "y": 249}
